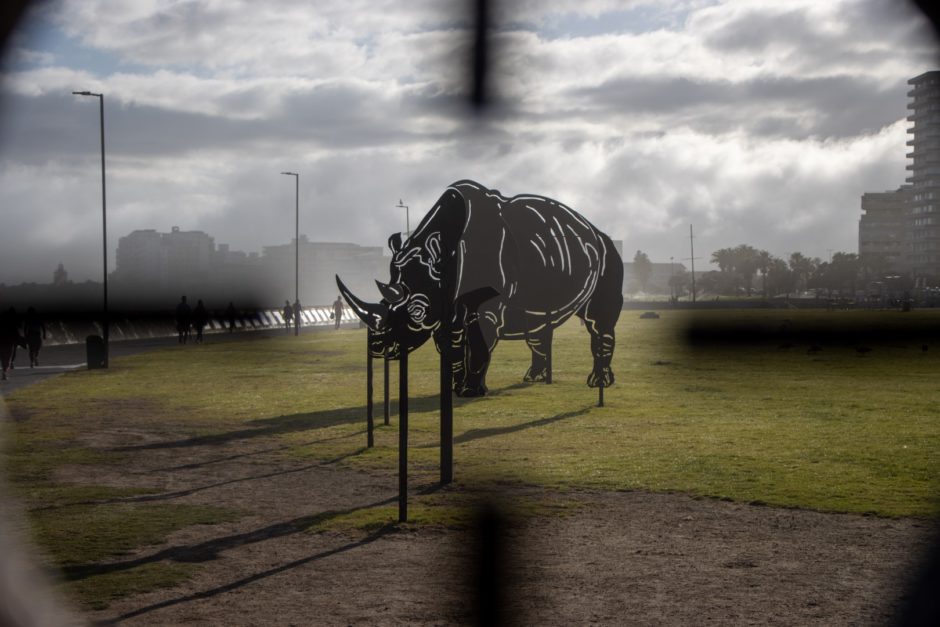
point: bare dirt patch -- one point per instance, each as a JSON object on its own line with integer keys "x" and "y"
{"x": 617, "y": 558}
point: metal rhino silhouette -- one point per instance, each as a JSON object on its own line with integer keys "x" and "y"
{"x": 496, "y": 268}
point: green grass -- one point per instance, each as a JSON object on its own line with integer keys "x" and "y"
{"x": 832, "y": 431}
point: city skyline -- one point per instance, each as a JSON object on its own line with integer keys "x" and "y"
{"x": 759, "y": 125}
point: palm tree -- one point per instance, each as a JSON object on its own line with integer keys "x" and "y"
{"x": 804, "y": 268}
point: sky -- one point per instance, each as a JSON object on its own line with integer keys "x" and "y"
{"x": 758, "y": 123}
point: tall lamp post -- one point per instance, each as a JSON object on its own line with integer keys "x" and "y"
{"x": 407, "y": 218}
{"x": 296, "y": 246}
{"x": 104, "y": 225}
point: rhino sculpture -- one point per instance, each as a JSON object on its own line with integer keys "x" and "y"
{"x": 496, "y": 268}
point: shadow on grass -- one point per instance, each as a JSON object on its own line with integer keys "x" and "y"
{"x": 292, "y": 423}
{"x": 477, "y": 434}
{"x": 275, "y": 449}
{"x": 210, "y": 549}
{"x": 165, "y": 496}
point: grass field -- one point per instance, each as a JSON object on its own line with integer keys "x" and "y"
{"x": 833, "y": 430}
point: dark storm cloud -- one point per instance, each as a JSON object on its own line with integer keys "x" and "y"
{"x": 836, "y": 106}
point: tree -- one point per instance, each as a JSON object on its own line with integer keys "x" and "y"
{"x": 804, "y": 268}
{"x": 764, "y": 261}
{"x": 780, "y": 279}
{"x": 642, "y": 269}
{"x": 746, "y": 261}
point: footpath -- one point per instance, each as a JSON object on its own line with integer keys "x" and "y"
{"x": 60, "y": 358}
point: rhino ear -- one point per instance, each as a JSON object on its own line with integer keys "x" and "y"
{"x": 433, "y": 246}
{"x": 394, "y": 242}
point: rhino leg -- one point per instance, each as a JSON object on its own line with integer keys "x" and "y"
{"x": 479, "y": 341}
{"x": 454, "y": 344}
{"x": 600, "y": 316}
{"x": 540, "y": 343}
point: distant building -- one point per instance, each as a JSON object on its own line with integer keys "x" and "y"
{"x": 152, "y": 260}
{"x": 903, "y": 226}
{"x": 154, "y": 266}
{"x": 882, "y": 229}
{"x": 923, "y": 218}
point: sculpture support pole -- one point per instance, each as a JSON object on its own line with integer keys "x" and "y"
{"x": 403, "y": 436}
{"x": 548, "y": 359}
{"x": 385, "y": 401}
{"x": 447, "y": 399}
{"x": 369, "y": 421}
{"x": 600, "y": 395}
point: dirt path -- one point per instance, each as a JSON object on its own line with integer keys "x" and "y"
{"x": 617, "y": 558}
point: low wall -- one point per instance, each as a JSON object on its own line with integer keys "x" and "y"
{"x": 74, "y": 329}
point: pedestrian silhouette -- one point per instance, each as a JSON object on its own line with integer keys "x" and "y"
{"x": 297, "y": 318}
{"x": 200, "y": 319}
{"x": 288, "y": 314}
{"x": 183, "y": 320}
{"x": 230, "y": 314}
{"x": 35, "y": 332}
{"x": 9, "y": 339}
{"x": 337, "y": 314}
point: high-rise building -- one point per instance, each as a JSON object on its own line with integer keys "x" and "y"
{"x": 922, "y": 252}
{"x": 902, "y": 228}
{"x": 882, "y": 227}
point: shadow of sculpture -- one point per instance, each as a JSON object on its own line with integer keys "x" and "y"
{"x": 210, "y": 549}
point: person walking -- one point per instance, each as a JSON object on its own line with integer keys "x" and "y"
{"x": 337, "y": 311}
{"x": 200, "y": 319}
{"x": 183, "y": 320}
{"x": 288, "y": 314}
{"x": 35, "y": 331}
{"x": 297, "y": 317}
{"x": 9, "y": 339}
{"x": 230, "y": 314}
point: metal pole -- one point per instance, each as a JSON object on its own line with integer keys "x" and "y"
{"x": 407, "y": 218}
{"x": 447, "y": 399}
{"x": 385, "y": 401}
{"x": 403, "y": 436}
{"x": 369, "y": 420}
{"x": 297, "y": 252}
{"x": 692, "y": 248}
{"x": 600, "y": 394}
{"x": 104, "y": 238}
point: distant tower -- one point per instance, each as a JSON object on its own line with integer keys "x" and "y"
{"x": 60, "y": 276}
{"x": 923, "y": 217}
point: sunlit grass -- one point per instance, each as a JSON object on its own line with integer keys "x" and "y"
{"x": 831, "y": 431}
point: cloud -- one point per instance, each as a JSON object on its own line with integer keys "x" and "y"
{"x": 757, "y": 123}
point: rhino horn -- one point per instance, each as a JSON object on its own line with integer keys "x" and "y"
{"x": 394, "y": 294}
{"x": 372, "y": 314}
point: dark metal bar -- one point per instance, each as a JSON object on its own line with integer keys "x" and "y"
{"x": 104, "y": 241}
{"x": 370, "y": 441}
{"x": 600, "y": 395}
{"x": 447, "y": 399}
{"x": 297, "y": 254}
{"x": 385, "y": 400}
{"x": 403, "y": 436}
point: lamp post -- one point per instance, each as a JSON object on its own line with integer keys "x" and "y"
{"x": 407, "y": 218}
{"x": 104, "y": 225}
{"x": 296, "y": 246}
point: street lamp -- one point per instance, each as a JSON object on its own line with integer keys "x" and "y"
{"x": 104, "y": 223}
{"x": 296, "y": 245}
{"x": 407, "y": 219}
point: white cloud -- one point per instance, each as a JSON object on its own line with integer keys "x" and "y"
{"x": 759, "y": 123}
